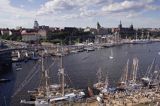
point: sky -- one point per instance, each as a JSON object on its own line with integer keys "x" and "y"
{"x": 80, "y": 13}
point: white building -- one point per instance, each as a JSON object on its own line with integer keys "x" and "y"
{"x": 6, "y": 32}
{"x": 27, "y": 37}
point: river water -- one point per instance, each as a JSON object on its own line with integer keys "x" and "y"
{"x": 80, "y": 69}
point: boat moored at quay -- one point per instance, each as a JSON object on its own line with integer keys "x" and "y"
{"x": 128, "y": 88}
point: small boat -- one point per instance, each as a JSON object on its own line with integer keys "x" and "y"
{"x": 3, "y": 80}
{"x": 111, "y": 56}
{"x": 14, "y": 58}
{"x": 34, "y": 57}
{"x": 146, "y": 80}
{"x": 74, "y": 51}
{"x": 90, "y": 48}
{"x": 18, "y": 69}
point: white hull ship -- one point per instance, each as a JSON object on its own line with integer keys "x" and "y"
{"x": 140, "y": 41}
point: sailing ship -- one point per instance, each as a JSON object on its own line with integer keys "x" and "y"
{"x": 127, "y": 83}
{"x": 48, "y": 95}
{"x": 146, "y": 80}
{"x": 124, "y": 78}
{"x": 142, "y": 40}
{"x": 133, "y": 83}
{"x": 101, "y": 85}
{"x": 152, "y": 76}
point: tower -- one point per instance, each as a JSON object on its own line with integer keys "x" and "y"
{"x": 98, "y": 28}
{"x": 131, "y": 27}
{"x": 120, "y": 25}
{"x": 36, "y": 25}
{"x": 98, "y": 25}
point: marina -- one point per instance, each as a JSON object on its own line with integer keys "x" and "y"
{"x": 79, "y": 53}
{"x": 83, "y": 74}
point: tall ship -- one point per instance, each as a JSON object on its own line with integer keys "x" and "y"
{"x": 50, "y": 95}
{"x": 129, "y": 78}
{"x": 152, "y": 75}
{"x": 102, "y": 84}
{"x": 141, "y": 40}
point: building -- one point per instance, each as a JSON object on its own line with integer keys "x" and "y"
{"x": 36, "y": 25}
{"x": 44, "y": 27}
{"x": 5, "y": 32}
{"x": 15, "y": 32}
{"x": 91, "y": 30}
{"x": 30, "y": 36}
{"x": 55, "y": 29}
{"x": 124, "y": 31}
{"x": 101, "y": 30}
{"x": 70, "y": 29}
{"x": 154, "y": 32}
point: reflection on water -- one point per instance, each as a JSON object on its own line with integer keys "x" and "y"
{"x": 6, "y": 88}
{"x": 82, "y": 68}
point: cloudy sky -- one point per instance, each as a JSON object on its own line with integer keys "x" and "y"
{"x": 80, "y": 13}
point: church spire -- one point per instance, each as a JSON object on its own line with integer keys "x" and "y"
{"x": 131, "y": 27}
{"x": 120, "y": 25}
{"x": 98, "y": 25}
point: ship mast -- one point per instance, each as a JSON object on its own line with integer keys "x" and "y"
{"x": 135, "y": 68}
{"x": 61, "y": 70}
{"x": 44, "y": 77}
{"x": 147, "y": 74}
{"x": 136, "y": 35}
{"x": 124, "y": 77}
{"x": 106, "y": 81}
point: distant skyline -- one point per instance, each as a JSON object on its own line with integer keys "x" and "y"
{"x": 80, "y": 13}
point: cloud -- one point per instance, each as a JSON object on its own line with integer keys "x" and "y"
{"x": 22, "y": 6}
{"x": 91, "y": 8}
{"x": 12, "y": 16}
{"x": 127, "y": 5}
{"x": 54, "y": 6}
{"x": 30, "y": 0}
{"x": 130, "y": 8}
{"x": 133, "y": 14}
{"x": 74, "y": 11}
